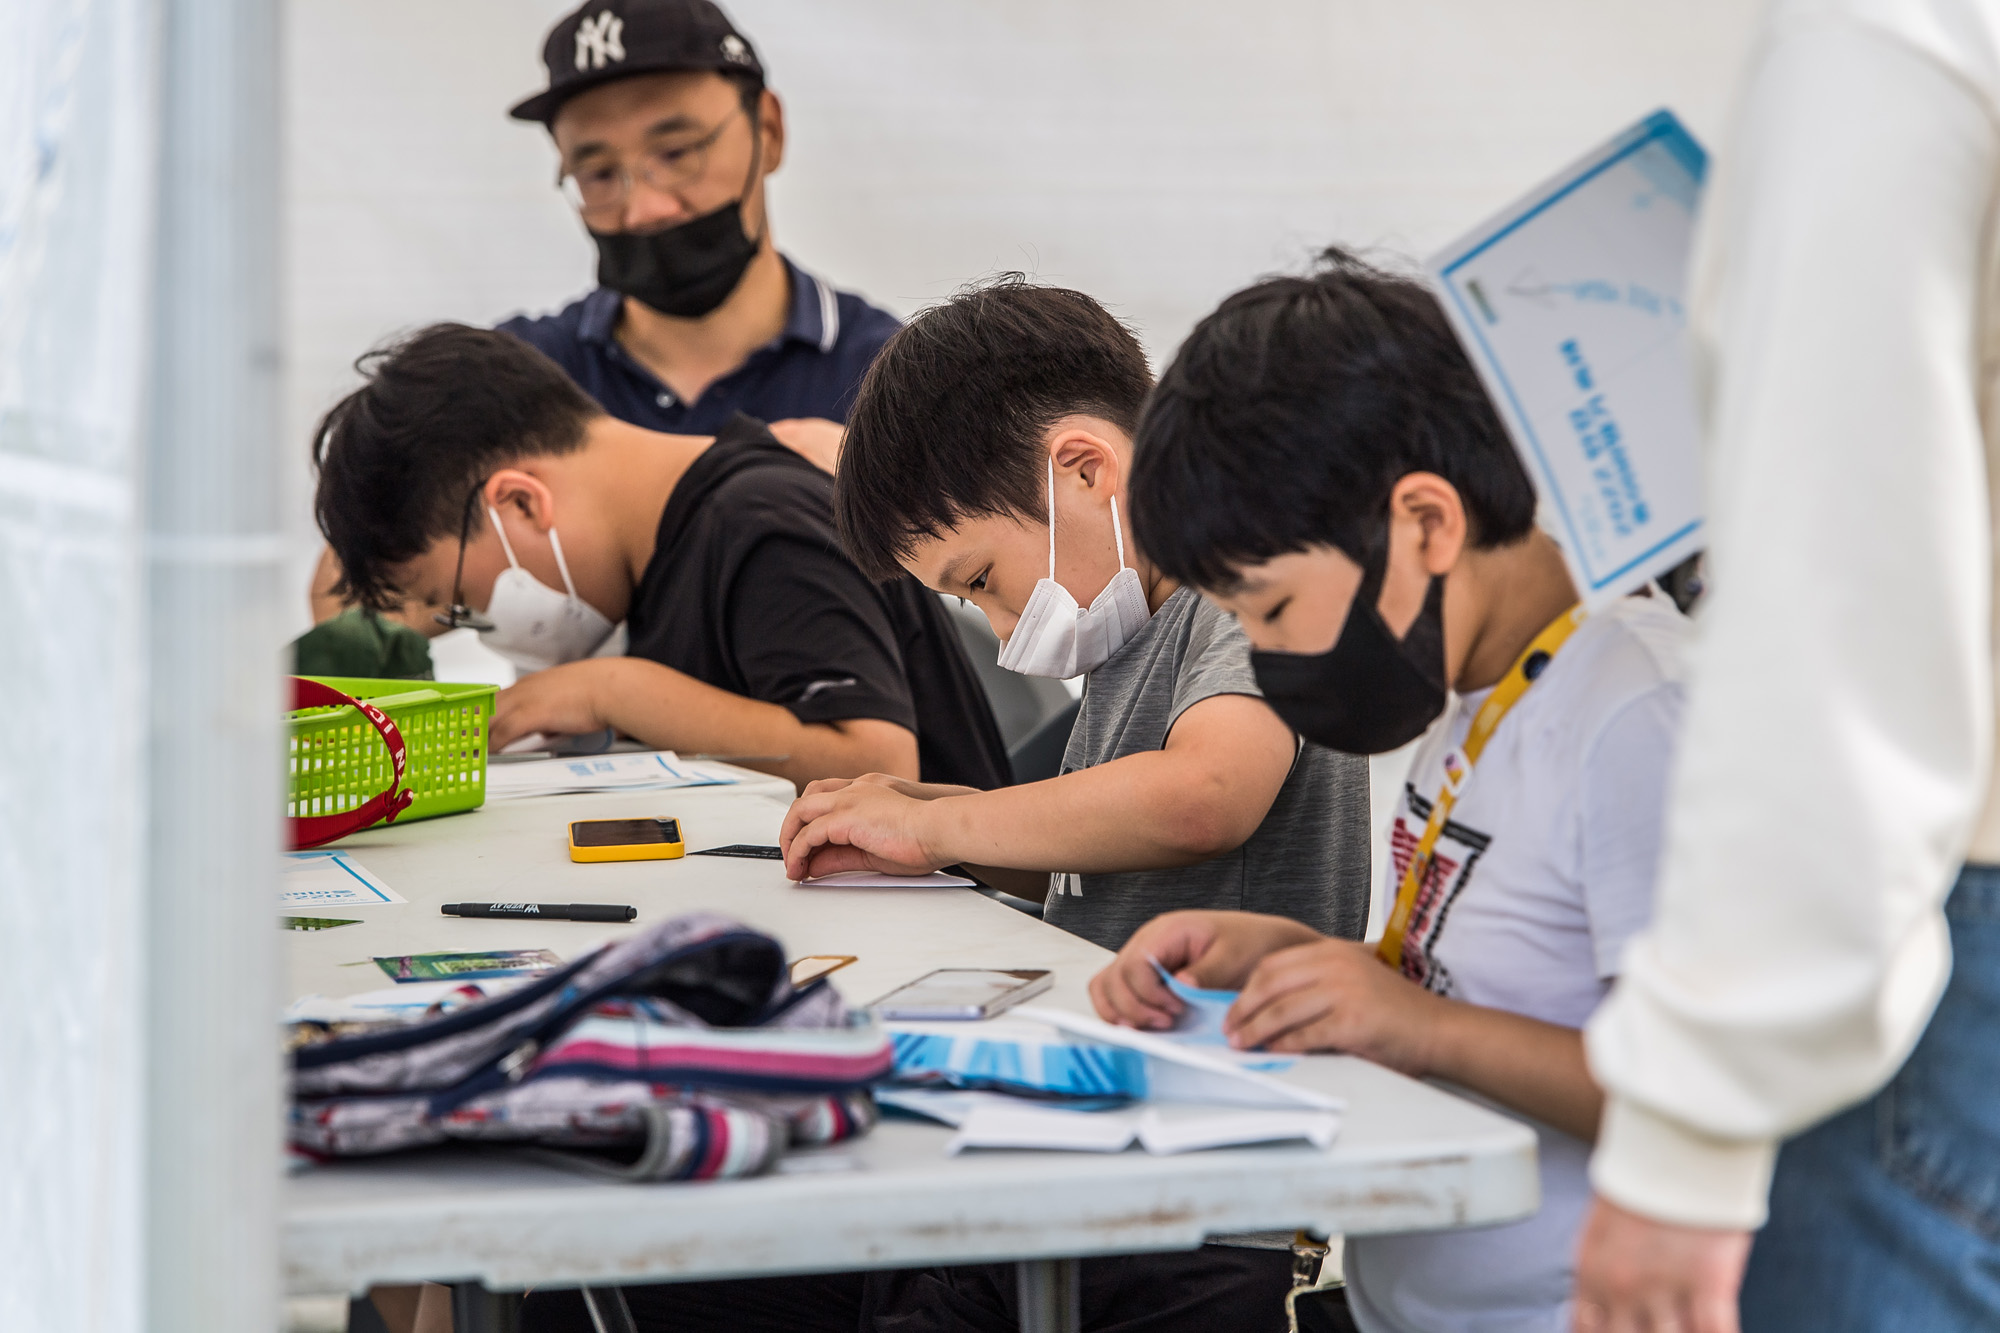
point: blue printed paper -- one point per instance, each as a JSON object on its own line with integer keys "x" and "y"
{"x": 1015, "y": 1058}
{"x": 1570, "y": 304}
{"x": 1201, "y": 1021}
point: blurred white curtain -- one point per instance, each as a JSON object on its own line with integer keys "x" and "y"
{"x": 77, "y": 96}
{"x": 139, "y": 1108}
{"x": 212, "y": 648}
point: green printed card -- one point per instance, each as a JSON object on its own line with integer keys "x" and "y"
{"x": 465, "y": 966}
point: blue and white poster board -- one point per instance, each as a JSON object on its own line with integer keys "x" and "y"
{"x": 1569, "y": 302}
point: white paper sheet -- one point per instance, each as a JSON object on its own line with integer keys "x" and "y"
{"x": 1569, "y": 302}
{"x": 1160, "y": 1130}
{"x": 1168, "y": 1129}
{"x": 316, "y": 881}
{"x": 650, "y": 770}
{"x": 868, "y": 879}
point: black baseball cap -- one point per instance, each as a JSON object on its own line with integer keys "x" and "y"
{"x": 614, "y": 39}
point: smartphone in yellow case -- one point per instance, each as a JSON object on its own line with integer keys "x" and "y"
{"x": 626, "y": 840}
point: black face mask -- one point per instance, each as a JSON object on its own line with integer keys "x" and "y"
{"x": 683, "y": 271}
{"x": 1370, "y": 693}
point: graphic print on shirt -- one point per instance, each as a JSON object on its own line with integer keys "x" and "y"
{"x": 1457, "y": 851}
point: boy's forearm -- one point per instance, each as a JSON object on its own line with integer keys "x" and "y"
{"x": 670, "y": 709}
{"x": 1135, "y": 813}
{"x": 1533, "y": 1067}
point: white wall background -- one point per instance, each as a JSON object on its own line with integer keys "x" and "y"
{"x": 1155, "y": 153}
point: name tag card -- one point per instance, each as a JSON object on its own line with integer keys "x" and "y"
{"x": 1569, "y": 303}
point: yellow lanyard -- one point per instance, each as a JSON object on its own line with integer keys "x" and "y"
{"x": 1458, "y": 770}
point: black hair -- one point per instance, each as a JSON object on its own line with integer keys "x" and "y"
{"x": 400, "y": 457}
{"x": 1290, "y": 413}
{"x": 951, "y": 421}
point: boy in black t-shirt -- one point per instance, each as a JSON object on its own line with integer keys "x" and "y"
{"x": 470, "y": 475}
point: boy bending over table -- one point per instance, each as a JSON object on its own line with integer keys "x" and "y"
{"x": 471, "y": 476}
{"x": 1321, "y": 460}
{"x": 988, "y": 456}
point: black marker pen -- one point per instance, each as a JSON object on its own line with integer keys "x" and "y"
{"x": 546, "y": 911}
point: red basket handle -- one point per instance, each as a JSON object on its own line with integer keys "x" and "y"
{"x": 315, "y": 830}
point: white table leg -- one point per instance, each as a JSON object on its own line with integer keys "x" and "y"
{"x": 1050, "y": 1294}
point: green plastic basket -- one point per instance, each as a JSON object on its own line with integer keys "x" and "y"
{"x": 338, "y": 760}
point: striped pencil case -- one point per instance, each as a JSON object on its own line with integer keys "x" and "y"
{"x": 682, "y": 1052}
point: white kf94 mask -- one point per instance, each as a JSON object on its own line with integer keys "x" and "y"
{"x": 1054, "y": 636}
{"x": 534, "y": 626}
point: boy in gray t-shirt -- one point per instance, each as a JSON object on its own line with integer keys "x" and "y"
{"x": 1309, "y": 850}
{"x": 986, "y": 456}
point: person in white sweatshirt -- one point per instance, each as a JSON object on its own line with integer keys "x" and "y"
{"x": 1834, "y": 781}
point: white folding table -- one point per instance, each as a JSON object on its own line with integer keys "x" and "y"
{"x": 1408, "y": 1157}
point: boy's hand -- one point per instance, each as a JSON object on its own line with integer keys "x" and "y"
{"x": 1335, "y": 995}
{"x": 859, "y": 824}
{"x": 561, "y": 701}
{"x": 1213, "y": 950}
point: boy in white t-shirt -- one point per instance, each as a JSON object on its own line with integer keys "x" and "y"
{"x": 1321, "y": 461}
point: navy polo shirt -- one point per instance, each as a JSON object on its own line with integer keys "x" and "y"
{"x": 812, "y": 369}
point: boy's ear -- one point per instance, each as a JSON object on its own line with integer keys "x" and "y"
{"x": 524, "y": 493}
{"x": 1094, "y": 458}
{"x": 1432, "y": 506}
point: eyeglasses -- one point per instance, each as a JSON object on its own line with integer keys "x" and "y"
{"x": 462, "y": 616}
{"x": 601, "y": 189}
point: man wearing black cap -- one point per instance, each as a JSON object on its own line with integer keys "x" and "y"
{"x": 667, "y": 132}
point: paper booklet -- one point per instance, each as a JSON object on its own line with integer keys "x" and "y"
{"x": 996, "y": 1120}
{"x": 1570, "y": 303}
{"x": 1160, "y": 1130}
{"x": 649, "y": 770}
{"x": 1191, "y": 1097}
{"x": 1176, "y": 1072}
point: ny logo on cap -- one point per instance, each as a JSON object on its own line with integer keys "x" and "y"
{"x": 600, "y": 40}
{"x": 735, "y": 50}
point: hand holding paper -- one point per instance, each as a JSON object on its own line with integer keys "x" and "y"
{"x": 1203, "y": 1013}
{"x": 1335, "y": 995}
{"x": 1215, "y": 950}
{"x": 850, "y": 824}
